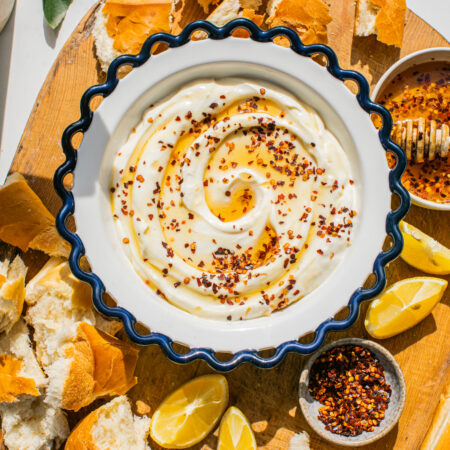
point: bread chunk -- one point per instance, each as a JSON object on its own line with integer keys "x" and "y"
{"x": 94, "y": 365}
{"x": 438, "y": 435}
{"x": 308, "y": 18}
{"x": 24, "y": 220}
{"x": 57, "y": 303}
{"x": 20, "y": 374}
{"x": 28, "y": 423}
{"x": 230, "y": 10}
{"x": 111, "y": 427}
{"x": 384, "y": 18}
{"x": 32, "y": 424}
{"x": 81, "y": 361}
{"x": 299, "y": 441}
{"x": 121, "y": 26}
{"x": 12, "y": 292}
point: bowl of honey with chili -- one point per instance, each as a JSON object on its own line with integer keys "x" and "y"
{"x": 418, "y": 87}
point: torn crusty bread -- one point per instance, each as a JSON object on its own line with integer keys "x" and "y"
{"x": 32, "y": 424}
{"x": 438, "y": 436}
{"x": 82, "y": 362}
{"x": 299, "y": 441}
{"x": 28, "y": 423}
{"x": 231, "y": 9}
{"x": 206, "y": 4}
{"x": 94, "y": 365}
{"x": 308, "y": 18}
{"x": 12, "y": 292}
{"x": 24, "y": 220}
{"x": 122, "y": 26}
{"x": 20, "y": 374}
{"x": 57, "y": 303}
{"x": 111, "y": 427}
{"x": 384, "y": 18}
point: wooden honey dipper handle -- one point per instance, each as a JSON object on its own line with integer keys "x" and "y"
{"x": 422, "y": 140}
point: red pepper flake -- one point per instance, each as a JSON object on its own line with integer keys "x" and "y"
{"x": 350, "y": 383}
{"x": 126, "y": 241}
{"x": 213, "y": 105}
{"x": 140, "y": 178}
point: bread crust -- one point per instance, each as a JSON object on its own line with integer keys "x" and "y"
{"x": 25, "y": 222}
{"x": 438, "y": 436}
{"x": 309, "y": 19}
{"x": 80, "y": 383}
{"x": 82, "y": 437}
{"x": 100, "y": 365}
{"x": 12, "y": 292}
{"x": 12, "y": 385}
{"x": 389, "y": 20}
{"x": 115, "y": 362}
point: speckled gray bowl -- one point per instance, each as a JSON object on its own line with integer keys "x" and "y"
{"x": 394, "y": 377}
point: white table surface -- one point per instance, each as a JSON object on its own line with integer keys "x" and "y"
{"x": 28, "y": 48}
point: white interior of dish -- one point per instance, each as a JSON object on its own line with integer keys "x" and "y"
{"x": 165, "y": 74}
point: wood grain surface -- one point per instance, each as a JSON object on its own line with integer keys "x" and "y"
{"x": 267, "y": 397}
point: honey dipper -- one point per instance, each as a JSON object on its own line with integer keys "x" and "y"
{"x": 421, "y": 139}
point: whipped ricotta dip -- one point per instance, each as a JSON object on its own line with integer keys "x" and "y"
{"x": 232, "y": 200}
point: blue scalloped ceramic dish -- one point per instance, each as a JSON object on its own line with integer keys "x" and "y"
{"x": 346, "y": 115}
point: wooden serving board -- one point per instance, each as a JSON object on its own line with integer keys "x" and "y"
{"x": 267, "y": 397}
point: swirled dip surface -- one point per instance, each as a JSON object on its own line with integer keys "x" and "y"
{"x": 232, "y": 200}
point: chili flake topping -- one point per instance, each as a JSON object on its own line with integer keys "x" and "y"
{"x": 350, "y": 383}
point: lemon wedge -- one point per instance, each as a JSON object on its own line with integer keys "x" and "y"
{"x": 403, "y": 305}
{"x": 235, "y": 432}
{"x": 423, "y": 252}
{"x": 188, "y": 414}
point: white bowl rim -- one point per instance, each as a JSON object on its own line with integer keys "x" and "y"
{"x": 123, "y": 283}
{"x": 419, "y": 57}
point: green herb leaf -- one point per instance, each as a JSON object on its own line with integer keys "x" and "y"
{"x": 55, "y": 10}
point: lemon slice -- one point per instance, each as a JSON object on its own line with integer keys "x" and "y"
{"x": 235, "y": 432}
{"x": 403, "y": 305}
{"x": 187, "y": 415}
{"x": 423, "y": 252}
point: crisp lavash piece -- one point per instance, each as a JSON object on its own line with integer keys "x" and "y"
{"x": 20, "y": 374}
{"x": 121, "y": 26}
{"x": 111, "y": 427}
{"x": 12, "y": 292}
{"x": 384, "y": 18}
{"x": 94, "y": 365}
{"x": 33, "y": 425}
{"x": 438, "y": 435}
{"x": 308, "y": 18}
{"x": 24, "y": 220}
{"x": 299, "y": 441}
{"x": 57, "y": 303}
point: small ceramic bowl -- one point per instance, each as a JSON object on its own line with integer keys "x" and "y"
{"x": 394, "y": 377}
{"x": 414, "y": 59}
